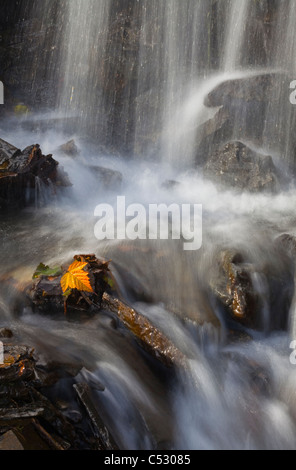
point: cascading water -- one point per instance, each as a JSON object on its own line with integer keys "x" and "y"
{"x": 83, "y": 60}
{"x": 136, "y": 77}
{"x": 238, "y": 16}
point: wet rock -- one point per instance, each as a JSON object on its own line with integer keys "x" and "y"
{"x": 105, "y": 438}
{"x": 69, "y": 148}
{"x": 252, "y": 89}
{"x": 212, "y": 134}
{"x": 16, "y": 373}
{"x": 254, "y": 294}
{"x": 47, "y": 297}
{"x": 286, "y": 243}
{"x": 251, "y": 109}
{"x": 18, "y": 363}
{"x": 26, "y": 401}
{"x": 24, "y": 37}
{"x": 109, "y": 179}
{"x": 243, "y": 112}
{"x": 21, "y": 412}
{"x": 73, "y": 416}
{"x": 149, "y": 337}
{"x": 6, "y": 333}
{"x": 237, "y": 166}
{"x": 233, "y": 287}
{"x": 50, "y": 372}
{"x": 22, "y": 173}
{"x": 10, "y": 441}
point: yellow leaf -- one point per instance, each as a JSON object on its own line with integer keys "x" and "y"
{"x": 76, "y": 278}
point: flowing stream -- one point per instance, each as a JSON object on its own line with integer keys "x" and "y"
{"x": 234, "y": 393}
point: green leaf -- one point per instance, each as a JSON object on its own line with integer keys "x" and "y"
{"x": 109, "y": 281}
{"x": 68, "y": 293}
{"x": 43, "y": 270}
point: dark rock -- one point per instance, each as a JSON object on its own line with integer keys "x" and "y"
{"x": 29, "y": 42}
{"x": 253, "y": 89}
{"x": 106, "y": 440}
{"x": 73, "y": 416}
{"x": 237, "y": 166}
{"x": 47, "y": 297}
{"x": 252, "y": 109}
{"x": 22, "y": 405}
{"x": 5, "y": 333}
{"x": 17, "y": 371}
{"x": 22, "y": 172}
{"x": 21, "y": 412}
{"x": 212, "y": 134}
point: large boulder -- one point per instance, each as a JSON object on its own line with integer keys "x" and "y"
{"x": 252, "y": 89}
{"x": 211, "y": 134}
{"x": 237, "y": 166}
{"x": 254, "y": 108}
{"x": 22, "y": 173}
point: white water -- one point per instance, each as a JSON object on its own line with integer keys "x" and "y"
{"x": 83, "y": 62}
{"x": 236, "y": 29}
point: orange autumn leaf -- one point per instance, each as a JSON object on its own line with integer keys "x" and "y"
{"x": 76, "y": 278}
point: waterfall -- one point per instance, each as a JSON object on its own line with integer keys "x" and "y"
{"x": 174, "y": 53}
{"x": 134, "y": 75}
{"x": 236, "y": 31}
{"x": 83, "y": 63}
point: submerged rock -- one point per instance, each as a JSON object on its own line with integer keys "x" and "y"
{"x": 237, "y": 166}
{"x": 23, "y": 172}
